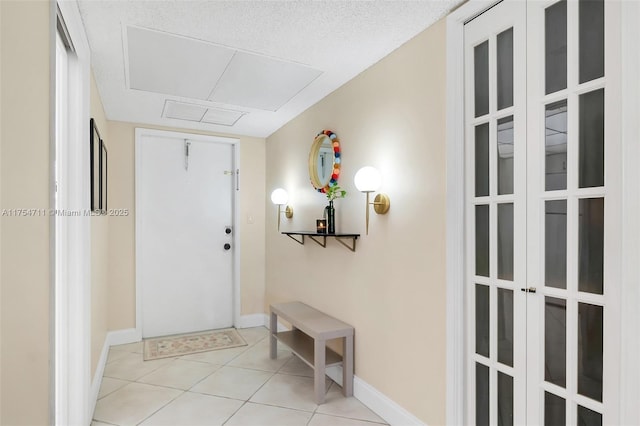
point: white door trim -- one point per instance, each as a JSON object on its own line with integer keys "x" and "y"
{"x": 71, "y": 243}
{"x": 142, "y": 132}
{"x": 630, "y": 245}
{"x": 456, "y": 303}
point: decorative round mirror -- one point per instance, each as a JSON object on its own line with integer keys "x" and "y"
{"x": 324, "y": 161}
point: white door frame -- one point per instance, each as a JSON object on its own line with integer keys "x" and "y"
{"x": 142, "y": 132}
{"x": 71, "y": 237}
{"x": 456, "y": 303}
{"x": 629, "y": 246}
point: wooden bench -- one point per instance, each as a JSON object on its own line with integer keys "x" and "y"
{"x": 307, "y": 339}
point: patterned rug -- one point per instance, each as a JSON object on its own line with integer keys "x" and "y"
{"x": 184, "y": 344}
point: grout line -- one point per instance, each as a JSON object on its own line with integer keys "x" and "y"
{"x": 216, "y": 396}
{"x": 339, "y": 390}
{"x": 300, "y": 410}
{"x": 351, "y": 418}
{"x": 250, "y": 369}
{"x": 166, "y": 364}
{"x": 271, "y": 377}
{"x": 102, "y": 421}
{"x": 231, "y": 366}
{"x": 258, "y": 389}
{"x": 311, "y": 418}
{"x": 150, "y": 415}
{"x": 318, "y": 405}
{"x": 160, "y": 408}
{"x": 198, "y": 361}
{"x": 261, "y": 386}
{"x": 117, "y": 389}
{"x": 234, "y": 413}
{"x": 206, "y": 377}
{"x": 152, "y": 371}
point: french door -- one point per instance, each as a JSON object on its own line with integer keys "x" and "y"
{"x": 542, "y": 213}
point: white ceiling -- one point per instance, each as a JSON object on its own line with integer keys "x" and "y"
{"x": 251, "y": 65}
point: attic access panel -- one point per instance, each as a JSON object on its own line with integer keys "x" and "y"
{"x": 260, "y": 82}
{"x": 165, "y": 63}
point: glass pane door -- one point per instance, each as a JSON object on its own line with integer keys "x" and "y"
{"x": 496, "y": 200}
{"x": 566, "y": 217}
{"x": 541, "y": 213}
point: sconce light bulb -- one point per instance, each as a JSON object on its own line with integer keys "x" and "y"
{"x": 279, "y": 196}
{"x": 368, "y": 179}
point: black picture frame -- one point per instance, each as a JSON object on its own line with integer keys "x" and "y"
{"x": 96, "y": 155}
{"x": 103, "y": 177}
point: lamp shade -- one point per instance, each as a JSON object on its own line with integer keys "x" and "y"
{"x": 368, "y": 179}
{"x": 279, "y": 196}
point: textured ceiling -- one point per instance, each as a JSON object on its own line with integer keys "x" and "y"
{"x": 335, "y": 40}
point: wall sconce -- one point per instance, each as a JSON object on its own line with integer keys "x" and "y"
{"x": 368, "y": 179}
{"x": 280, "y": 197}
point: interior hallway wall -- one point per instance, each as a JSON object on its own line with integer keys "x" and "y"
{"x": 25, "y": 184}
{"x": 122, "y": 284}
{"x": 393, "y": 289}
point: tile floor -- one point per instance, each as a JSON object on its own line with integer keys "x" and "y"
{"x": 232, "y": 387}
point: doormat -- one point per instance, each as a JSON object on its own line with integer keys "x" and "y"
{"x": 185, "y": 344}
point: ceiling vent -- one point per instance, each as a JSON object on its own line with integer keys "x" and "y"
{"x": 200, "y": 113}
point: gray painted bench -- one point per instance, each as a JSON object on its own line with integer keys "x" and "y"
{"x": 307, "y": 339}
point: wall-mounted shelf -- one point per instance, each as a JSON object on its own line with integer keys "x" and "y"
{"x": 321, "y": 239}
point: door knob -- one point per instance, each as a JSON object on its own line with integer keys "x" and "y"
{"x": 227, "y": 246}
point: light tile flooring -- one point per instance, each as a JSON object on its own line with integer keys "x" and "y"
{"x": 232, "y": 387}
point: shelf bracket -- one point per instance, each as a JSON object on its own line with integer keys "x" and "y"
{"x": 295, "y": 239}
{"x": 321, "y": 239}
{"x": 323, "y": 243}
{"x": 350, "y": 247}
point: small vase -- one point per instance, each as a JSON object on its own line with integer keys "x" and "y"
{"x": 330, "y": 214}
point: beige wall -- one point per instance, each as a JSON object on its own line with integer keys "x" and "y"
{"x": 121, "y": 293}
{"x": 24, "y": 183}
{"x": 252, "y": 235}
{"x": 99, "y": 250}
{"x": 392, "y": 290}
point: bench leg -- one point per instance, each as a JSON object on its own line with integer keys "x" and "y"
{"x": 273, "y": 349}
{"x": 347, "y": 366}
{"x": 319, "y": 367}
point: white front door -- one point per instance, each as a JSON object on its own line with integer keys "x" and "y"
{"x": 542, "y": 213}
{"x": 185, "y": 248}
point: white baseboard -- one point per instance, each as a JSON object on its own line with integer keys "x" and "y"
{"x": 252, "y": 320}
{"x": 122, "y": 337}
{"x": 376, "y": 401}
{"x": 119, "y": 337}
{"x": 258, "y": 320}
{"x": 97, "y": 377}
